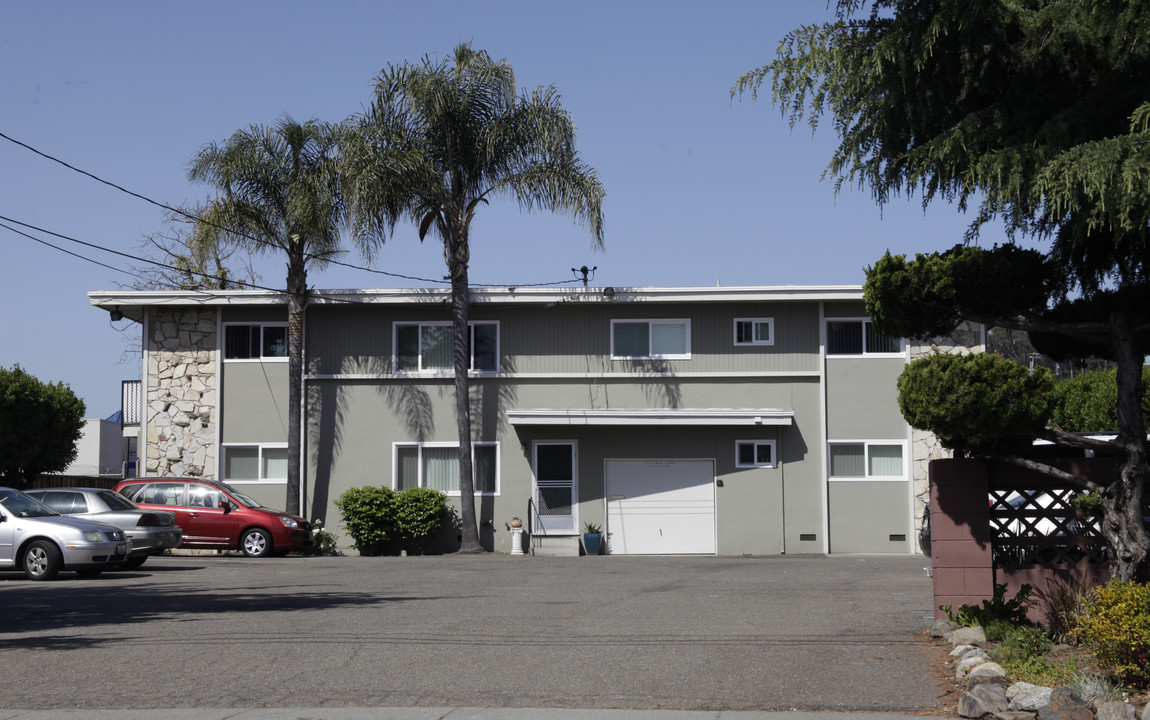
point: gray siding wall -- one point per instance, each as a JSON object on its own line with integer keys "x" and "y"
{"x": 870, "y": 516}
{"x": 255, "y": 402}
{"x": 862, "y": 399}
{"x": 570, "y": 338}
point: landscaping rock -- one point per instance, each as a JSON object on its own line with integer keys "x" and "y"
{"x": 961, "y": 650}
{"x": 1116, "y": 710}
{"x": 1015, "y": 715}
{"x": 1024, "y": 696}
{"x": 1065, "y": 705}
{"x": 987, "y": 672}
{"x": 983, "y": 700}
{"x": 941, "y": 628}
{"x": 967, "y": 636}
{"x": 1146, "y": 712}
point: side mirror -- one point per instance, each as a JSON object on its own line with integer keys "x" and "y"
{"x": 227, "y": 506}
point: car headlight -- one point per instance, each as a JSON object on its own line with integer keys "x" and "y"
{"x": 93, "y": 536}
{"x": 288, "y": 522}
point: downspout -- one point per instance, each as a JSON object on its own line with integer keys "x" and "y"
{"x": 823, "y": 431}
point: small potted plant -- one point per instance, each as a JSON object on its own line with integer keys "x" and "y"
{"x": 592, "y": 538}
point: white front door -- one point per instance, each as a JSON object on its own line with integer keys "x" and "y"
{"x": 661, "y": 507}
{"x": 556, "y": 486}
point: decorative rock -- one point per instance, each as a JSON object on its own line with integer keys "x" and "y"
{"x": 967, "y": 636}
{"x": 1024, "y": 696}
{"x": 982, "y": 700}
{"x": 961, "y": 650}
{"x": 1015, "y": 715}
{"x": 987, "y": 672}
{"x": 1065, "y": 705}
{"x": 1116, "y": 710}
{"x": 941, "y": 628}
{"x": 968, "y": 664}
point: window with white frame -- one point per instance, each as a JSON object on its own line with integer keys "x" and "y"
{"x": 436, "y": 466}
{"x": 755, "y": 453}
{"x": 870, "y": 460}
{"x": 255, "y": 342}
{"x": 426, "y": 347}
{"x": 654, "y": 339}
{"x": 754, "y": 331}
{"x": 256, "y": 463}
{"x": 858, "y": 337}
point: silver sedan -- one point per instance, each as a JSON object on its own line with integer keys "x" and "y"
{"x": 151, "y": 531}
{"x": 41, "y": 542}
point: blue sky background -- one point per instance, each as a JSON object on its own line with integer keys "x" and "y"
{"x": 700, "y": 191}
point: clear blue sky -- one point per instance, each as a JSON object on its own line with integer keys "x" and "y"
{"x": 700, "y": 190}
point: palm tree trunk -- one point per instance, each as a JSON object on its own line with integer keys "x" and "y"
{"x": 461, "y": 353}
{"x": 297, "y": 304}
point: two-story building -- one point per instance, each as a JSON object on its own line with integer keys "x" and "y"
{"x": 725, "y": 420}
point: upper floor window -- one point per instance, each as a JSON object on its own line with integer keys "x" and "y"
{"x": 436, "y": 466}
{"x": 657, "y": 339}
{"x": 427, "y": 347}
{"x": 754, "y": 331}
{"x": 857, "y": 337}
{"x": 255, "y": 342}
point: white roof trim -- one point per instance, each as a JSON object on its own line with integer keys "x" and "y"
{"x": 506, "y": 295}
{"x": 707, "y": 416}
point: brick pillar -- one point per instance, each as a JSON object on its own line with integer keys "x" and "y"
{"x": 960, "y": 533}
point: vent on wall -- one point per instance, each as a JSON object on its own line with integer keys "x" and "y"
{"x": 898, "y": 538}
{"x": 807, "y": 537}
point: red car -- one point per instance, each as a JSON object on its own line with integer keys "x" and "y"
{"x": 215, "y": 515}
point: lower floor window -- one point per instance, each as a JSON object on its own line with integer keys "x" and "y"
{"x": 755, "y": 453}
{"x": 867, "y": 460}
{"x": 436, "y": 466}
{"x": 255, "y": 463}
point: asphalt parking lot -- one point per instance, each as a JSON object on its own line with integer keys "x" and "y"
{"x": 493, "y": 631}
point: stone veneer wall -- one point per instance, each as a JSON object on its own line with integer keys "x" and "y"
{"x": 182, "y": 393}
{"x": 924, "y": 445}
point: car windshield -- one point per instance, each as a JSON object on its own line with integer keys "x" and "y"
{"x": 23, "y": 506}
{"x": 243, "y": 499}
{"x": 116, "y": 501}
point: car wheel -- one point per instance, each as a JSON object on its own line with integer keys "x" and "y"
{"x": 134, "y": 562}
{"x": 256, "y": 543}
{"x": 42, "y": 560}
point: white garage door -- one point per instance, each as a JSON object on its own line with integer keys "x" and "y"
{"x": 661, "y": 507}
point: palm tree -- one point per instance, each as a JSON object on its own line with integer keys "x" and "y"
{"x": 281, "y": 193}
{"x": 439, "y": 139}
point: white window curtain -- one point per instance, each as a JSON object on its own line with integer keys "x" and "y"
{"x": 668, "y": 339}
{"x": 242, "y": 463}
{"x": 436, "y": 347}
{"x": 275, "y": 464}
{"x": 885, "y": 461}
{"x": 441, "y": 468}
{"x": 848, "y": 460}
{"x": 406, "y": 467}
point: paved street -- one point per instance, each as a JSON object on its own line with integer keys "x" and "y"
{"x": 496, "y": 631}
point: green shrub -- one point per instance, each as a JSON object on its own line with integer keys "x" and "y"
{"x": 1116, "y": 627}
{"x": 368, "y": 516}
{"x": 322, "y": 541}
{"x": 998, "y": 608}
{"x": 419, "y": 514}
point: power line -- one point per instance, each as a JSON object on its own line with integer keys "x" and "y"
{"x": 206, "y": 276}
{"x": 261, "y": 241}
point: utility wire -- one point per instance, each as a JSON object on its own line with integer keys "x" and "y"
{"x": 206, "y": 276}
{"x": 261, "y": 241}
